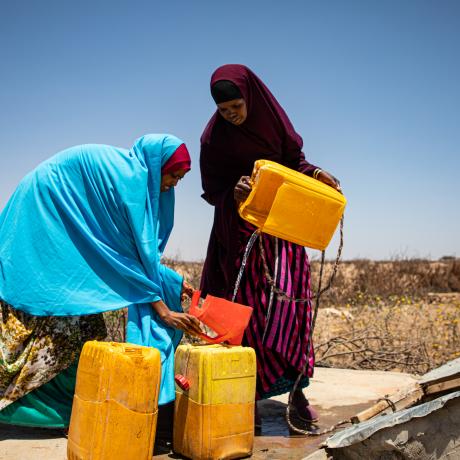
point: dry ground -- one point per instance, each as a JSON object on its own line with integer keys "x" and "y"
{"x": 398, "y": 333}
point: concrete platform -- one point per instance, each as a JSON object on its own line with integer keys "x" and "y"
{"x": 336, "y": 393}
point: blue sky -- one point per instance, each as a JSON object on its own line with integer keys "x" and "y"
{"x": 372, "y": 86}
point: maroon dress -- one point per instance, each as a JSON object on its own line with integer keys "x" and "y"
{"x": 278, "y": 330}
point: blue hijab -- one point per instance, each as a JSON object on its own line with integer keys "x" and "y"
{"x": 84, "y": 232}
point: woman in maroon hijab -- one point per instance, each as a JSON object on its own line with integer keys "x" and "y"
{"x": 249, "y": 125}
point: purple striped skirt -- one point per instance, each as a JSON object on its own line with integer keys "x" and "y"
{"x": 278, "y": 329}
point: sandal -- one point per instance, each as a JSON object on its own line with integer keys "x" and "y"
{"x": 302, "y": 409}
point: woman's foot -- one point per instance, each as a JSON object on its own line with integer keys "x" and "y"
{"x": 162, "y": 446}
{"x": 302, "y": 408}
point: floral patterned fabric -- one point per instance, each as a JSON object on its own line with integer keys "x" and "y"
{"x": 34, "y": 349}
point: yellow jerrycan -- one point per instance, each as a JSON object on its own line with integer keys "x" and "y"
{"x": 292, "y": 206}
{"x": 214, "y": 408}
{"x": 115, "y": 406}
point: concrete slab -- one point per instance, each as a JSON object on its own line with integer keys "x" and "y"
{"x": 21, "y": 443}
{"x": 337, "y": 394}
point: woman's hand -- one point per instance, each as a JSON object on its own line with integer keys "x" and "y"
{"x": 242, "y": 189}
{"x": 182, "y": 321}
{"x": 187, "y": 291}
{"x": 329, "y": 179}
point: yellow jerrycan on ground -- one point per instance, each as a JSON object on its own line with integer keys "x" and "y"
{"x": 292, "y": 206}
{"x": 115, "y": 407}
{"x": 214, "y": 408}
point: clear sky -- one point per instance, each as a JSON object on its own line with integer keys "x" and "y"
{"x": 373, "y": 87}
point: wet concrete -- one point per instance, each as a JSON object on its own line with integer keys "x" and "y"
{"x": 337, "y": 394}
{"x": 275, "y": 441}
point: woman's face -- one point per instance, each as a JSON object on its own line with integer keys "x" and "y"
{"x": 234, "y": 111}
{"x": 171, "y": 179}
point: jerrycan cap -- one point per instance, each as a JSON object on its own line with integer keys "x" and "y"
{"x": 182, "y": 382}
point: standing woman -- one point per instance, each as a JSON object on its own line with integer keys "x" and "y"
{"x": 83, "y": 234}
{"x": 249, "y": 125}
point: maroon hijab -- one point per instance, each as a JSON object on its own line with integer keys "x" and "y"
{"x": 229, "y": 152}
{"x": 180, "y": 159}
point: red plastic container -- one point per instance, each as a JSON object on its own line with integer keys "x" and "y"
{"x": 227, "y": 319}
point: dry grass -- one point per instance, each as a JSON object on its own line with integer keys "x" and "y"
{"x": 404, "y": 277}
{"x": 398, "y": 333}
{"x": 400, "y": 315}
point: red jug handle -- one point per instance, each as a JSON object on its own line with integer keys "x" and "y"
{"x": 194, "y": 310}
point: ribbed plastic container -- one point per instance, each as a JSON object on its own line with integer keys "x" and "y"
{"x": 292, "y": 206}
{"x": 214, "y": 418}
{"x": 115, "y": 407}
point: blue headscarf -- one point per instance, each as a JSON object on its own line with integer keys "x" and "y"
{"x": 84, "y": 232}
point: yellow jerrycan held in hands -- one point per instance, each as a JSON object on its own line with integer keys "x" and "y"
{"x": 215, "y": 396}
{"x": 115, "y": 406}
{"x": 292, "y": 206}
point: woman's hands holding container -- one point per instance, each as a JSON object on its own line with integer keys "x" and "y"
{"x": 329, "y": 179}
{"x": 182, "y": 321}
{"x": 242, "y": 189}
{"x": 177, "y": 320}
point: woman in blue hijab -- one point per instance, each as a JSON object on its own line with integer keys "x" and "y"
{"x": 83, "y": 234}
